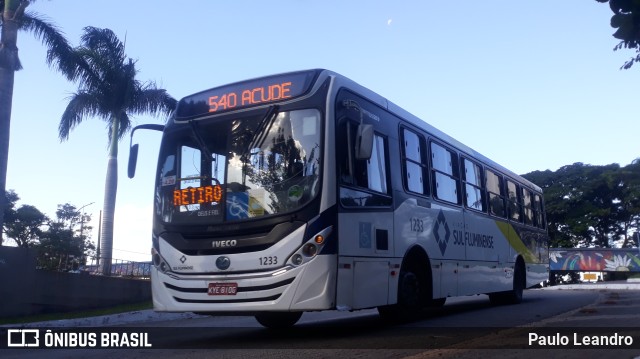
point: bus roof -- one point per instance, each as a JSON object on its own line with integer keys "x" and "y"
{"x": 383, "y": 102}
{"x": 304, "y": 82}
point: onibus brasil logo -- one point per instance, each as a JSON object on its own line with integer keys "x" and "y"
{"x": 33, "y": 338}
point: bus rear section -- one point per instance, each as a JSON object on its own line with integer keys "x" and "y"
{"x": 423, "y": 217}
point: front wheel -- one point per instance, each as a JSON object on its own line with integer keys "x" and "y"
{"x": 437, "y": 303}
{"x": 278, "y": 320}
{"x": 410, "y": 297}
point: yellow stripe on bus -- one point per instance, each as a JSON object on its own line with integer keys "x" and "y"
{"x": 516, "y": 242}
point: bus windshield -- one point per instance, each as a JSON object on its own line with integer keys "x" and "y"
{"x": 212, "y": 171}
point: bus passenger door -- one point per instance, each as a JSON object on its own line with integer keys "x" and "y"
{"x": 365, "y": 222}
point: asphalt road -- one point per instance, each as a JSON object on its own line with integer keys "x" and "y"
{"x": 467, "y": 327}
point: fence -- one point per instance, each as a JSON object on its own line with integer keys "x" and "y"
{"x": 26, "y": 290}
{"x": 92, "y": 265}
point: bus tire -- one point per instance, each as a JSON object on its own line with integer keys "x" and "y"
{"x": 410, "y": 291}
{"x": 515, "y": 295}
{"x": 437, "y": 303}
{"x": 519, "y": 283}
{"x": 278, "y": 320}
{"x": 410, "y": 299}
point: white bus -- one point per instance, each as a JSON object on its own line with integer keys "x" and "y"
{"x": 305, "y": 191}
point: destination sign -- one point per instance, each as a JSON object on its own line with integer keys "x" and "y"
{"x": 245, "y": 94}
{"x": 197, "y": 195}
{"x": 258, "y": 95}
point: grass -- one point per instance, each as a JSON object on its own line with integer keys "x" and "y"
{"x": 80, "y": 314}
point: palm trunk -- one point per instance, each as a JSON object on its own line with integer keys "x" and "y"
{"x": 109, "y": 206}
{"x": 10, "y": 63}
{"x": 6, "y": 95}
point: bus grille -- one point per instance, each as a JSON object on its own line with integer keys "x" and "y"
{"x": 245, "y": 299}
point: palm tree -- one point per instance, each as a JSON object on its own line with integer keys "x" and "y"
{"x": 13, "y": 18}
{"x": 108, "y": 89}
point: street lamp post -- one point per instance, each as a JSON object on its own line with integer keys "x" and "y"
{"x": 82, "y": 224}
{"x": 82, "y": 217}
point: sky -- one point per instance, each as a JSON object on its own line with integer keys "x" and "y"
{"x": 532, "y": 85}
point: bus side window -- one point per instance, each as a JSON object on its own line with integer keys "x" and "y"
{"x": 168, "y": 168}
{"x": 444, "y": 168}
{"x": 346, "y": 161}
{"x": 413, "y": 148}
{"x": 493, "y": 184}
{"x": 528, "y": 206}
{"x": 515, "y": 205}
{"x": 377, "y": 166}
{"x": 538, "y": 211}
{"x": 371, "y": 173}
{"x": 474, "y": 195}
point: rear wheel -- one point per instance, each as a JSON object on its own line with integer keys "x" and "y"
{"x": 515, "y": 295}
{"x": 519, "y": 283}
{"x": 278, "y": 320}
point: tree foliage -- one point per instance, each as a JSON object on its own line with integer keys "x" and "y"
{"x": 591, "y": 206}
{"x": 108, "y": 87}
{"x": 109, "y": 90}
{"x": 10, "y": 199}
{"x": 64, "y": 239}
{"x": 15, "y": 17}
{"x": 22, "y": 224}
{"x": 626, "y": 21}
{"x": 25, "y": 226}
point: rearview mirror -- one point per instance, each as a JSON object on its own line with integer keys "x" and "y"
{"x": 133, "y": 159}
{"x": 133, "y": 149}
{"x": 364, "y": 142}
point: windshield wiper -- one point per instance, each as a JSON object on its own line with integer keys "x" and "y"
{"x": 203, "y": 146}
{"x": 262, "y": 131}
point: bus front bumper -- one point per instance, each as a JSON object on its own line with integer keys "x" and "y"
{"x": 310, "y": 286}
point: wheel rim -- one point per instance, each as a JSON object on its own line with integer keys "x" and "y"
{"x": 410, "y": 290}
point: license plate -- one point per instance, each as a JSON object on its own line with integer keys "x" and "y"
{"x": 223, "y": 288}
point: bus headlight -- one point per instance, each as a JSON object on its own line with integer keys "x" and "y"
{"x": 296, "y": 259}
{"x": 159, "y": 262}
{"x": 311, "y": 248}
